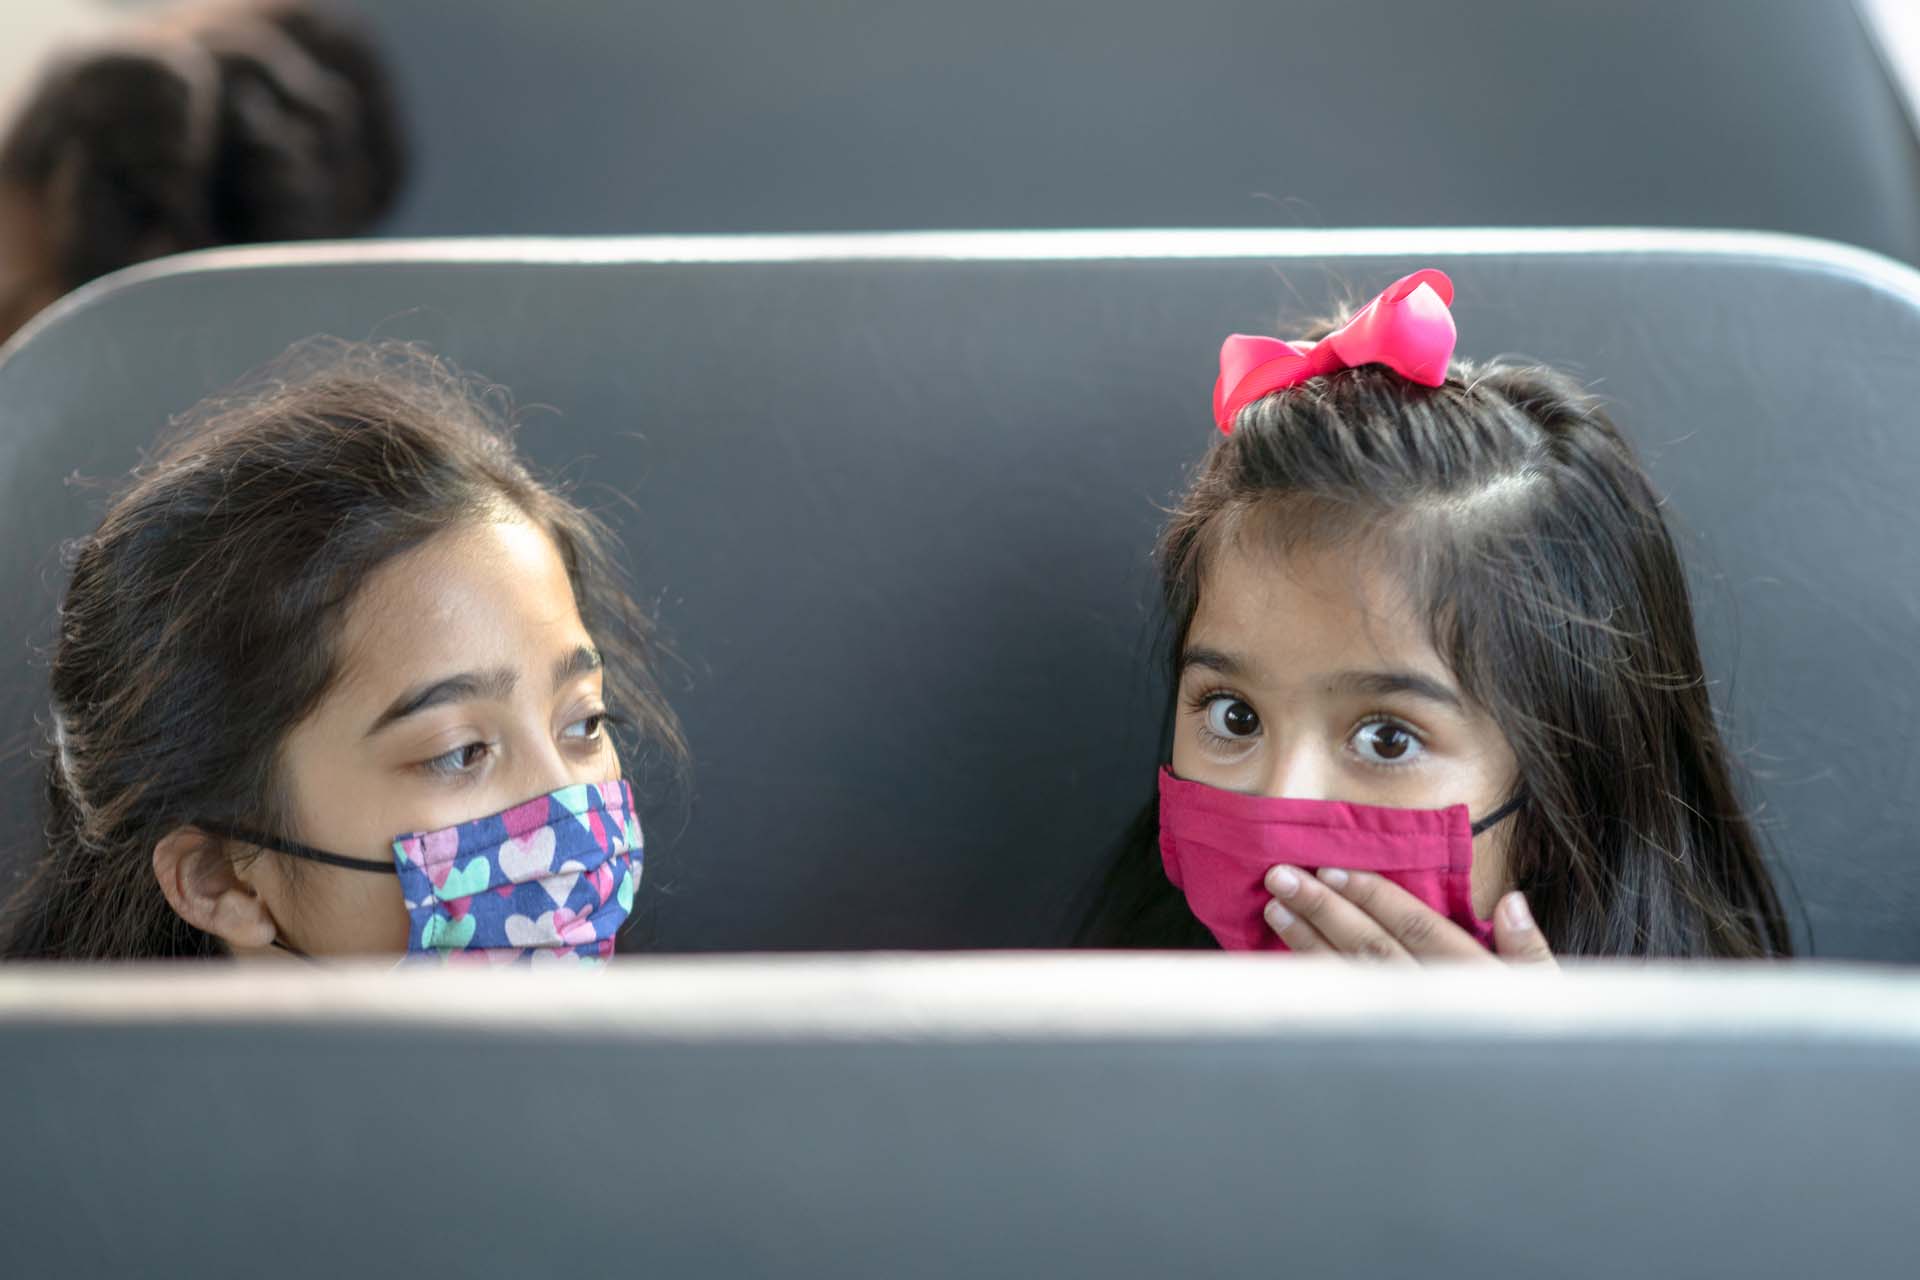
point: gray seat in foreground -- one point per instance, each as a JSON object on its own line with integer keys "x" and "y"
{"x": 895, "y": 496}
{"x": 1017, "y": 1116}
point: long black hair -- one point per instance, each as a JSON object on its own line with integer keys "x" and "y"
{"x": 1528, "y": 535}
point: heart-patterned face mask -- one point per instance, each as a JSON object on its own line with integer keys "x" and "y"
{"x": 548, "y": 880}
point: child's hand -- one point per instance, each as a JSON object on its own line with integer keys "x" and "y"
{"x": 1357, "y": 913}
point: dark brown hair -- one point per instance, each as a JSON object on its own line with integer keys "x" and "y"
{"x": 1521, "y": 523}
{"x": 216, "y": 124}
{"x": 202, "y": 620}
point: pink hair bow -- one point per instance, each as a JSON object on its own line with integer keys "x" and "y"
{"x": 1407, "y": 328}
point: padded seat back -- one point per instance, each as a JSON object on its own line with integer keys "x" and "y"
{"x": 895, "y": 498}
{"x": 838, "y": 115}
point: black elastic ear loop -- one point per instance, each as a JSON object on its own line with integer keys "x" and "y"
{"x": 294, "y": 951}
{"x": 294, "y": 849}
{"x": 1501, "y": 814}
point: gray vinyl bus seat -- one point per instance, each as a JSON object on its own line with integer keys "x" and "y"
{"x": 904, "y": 550}
{"x": 607, "y": 117}
{"x": 1132, "y": 1117}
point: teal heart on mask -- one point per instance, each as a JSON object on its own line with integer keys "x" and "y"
{"x": 624, "y": 894}
{"x": 442, "y": 934}
{"x": 574, "y": 800}
{"x": 464, "y": 882}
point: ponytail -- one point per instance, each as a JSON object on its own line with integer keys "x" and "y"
{"x": 80, "y": 903}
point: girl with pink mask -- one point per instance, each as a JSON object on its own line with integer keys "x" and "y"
{"x": 1437, "y": 692}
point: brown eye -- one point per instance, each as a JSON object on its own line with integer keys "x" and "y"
{"x": 1232, "y": 718}
{"x": 1384, "y": 742}
{"x": 457, "y": 761}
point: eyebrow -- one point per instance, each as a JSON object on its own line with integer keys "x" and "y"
{"x": 1382, "y": 684}
{"x": 1213, "y": 660}
{"x": 1371, "y": 684}
{"x": 582, "y": 661}
{"x": 497, "y": 684}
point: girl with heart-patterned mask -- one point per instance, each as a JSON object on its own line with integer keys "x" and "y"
{"x": 338, "y": 627}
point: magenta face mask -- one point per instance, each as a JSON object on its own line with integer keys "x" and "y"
{"x": 1219, "y": 845}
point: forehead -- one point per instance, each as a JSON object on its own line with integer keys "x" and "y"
{"x": 484, "y": 595}
{"x": 1306, "y": 609}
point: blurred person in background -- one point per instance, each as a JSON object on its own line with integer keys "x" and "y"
{"x": 197, "y": 125}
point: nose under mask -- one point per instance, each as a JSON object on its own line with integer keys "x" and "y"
{"x": 1218, "y": 846}
{"x": 547, "y": 881}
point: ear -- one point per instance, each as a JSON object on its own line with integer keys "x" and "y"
{"x": 205, "y": 889}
